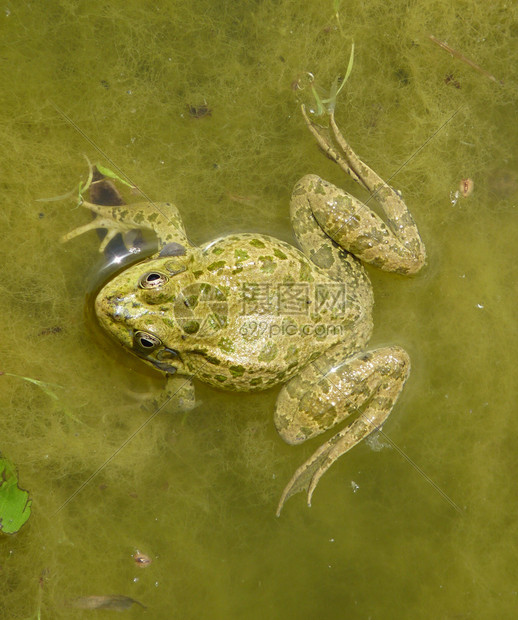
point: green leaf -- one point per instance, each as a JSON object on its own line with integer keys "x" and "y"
{"x": 106, "y": 172}
{"x": 15, "y": 505}
{"x": 336, "y": 88}
{"x": 112, "y": 175}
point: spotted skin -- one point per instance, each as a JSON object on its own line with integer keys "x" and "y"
{"x": 247, "y": 312}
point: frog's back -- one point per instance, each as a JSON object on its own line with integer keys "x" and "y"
{"x": 281, "y": 311}
{"x": 260, "y": 256}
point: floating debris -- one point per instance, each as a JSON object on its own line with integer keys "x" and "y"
{"x": 49, "y": 331}
{"x": 450, "y": 79}
{"x": 463, "y": 58}
{"x": 119, "y": 602}
{"x": 199, "y": 111}
{"x": 141, "y": 559}
{"x": 466, "y": 187}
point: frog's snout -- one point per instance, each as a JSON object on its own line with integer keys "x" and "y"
{"x": 116, "y": 309}
{"x": 111, "y": 306}
{"x": 116, "y": 316}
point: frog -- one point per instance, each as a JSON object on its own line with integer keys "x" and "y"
{"x": 250, "y": 312}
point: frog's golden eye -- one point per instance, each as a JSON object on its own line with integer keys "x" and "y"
{"x": 152, "y": 279}
{"x": 146, "y": 341}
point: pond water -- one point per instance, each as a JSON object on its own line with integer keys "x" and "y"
{"x": 419, "y": 521}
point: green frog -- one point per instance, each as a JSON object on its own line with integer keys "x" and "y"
{"x": 248, "y": 311}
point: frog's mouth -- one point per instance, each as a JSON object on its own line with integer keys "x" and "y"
{"x": 163, "y": 365}
{"x": 150, "y": 348}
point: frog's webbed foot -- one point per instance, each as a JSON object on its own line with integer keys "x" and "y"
{"x": 116, "y": 217}
{"x": 109, "y": 219}
{"x": 368, "y": 384}
{"x": 392, "y": 245}
{"x": 309, "y": 473}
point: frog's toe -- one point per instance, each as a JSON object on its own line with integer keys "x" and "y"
{"x": 93, "y": 225}
{"x": 112, "y": 230}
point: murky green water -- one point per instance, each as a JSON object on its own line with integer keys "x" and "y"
{"x": 427, "y": 530}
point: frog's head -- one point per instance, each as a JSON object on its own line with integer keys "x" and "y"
{"x": 136, "y": 308}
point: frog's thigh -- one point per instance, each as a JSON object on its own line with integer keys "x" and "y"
{"x": 319, "y": 398}
{"x": 317, "y": 245}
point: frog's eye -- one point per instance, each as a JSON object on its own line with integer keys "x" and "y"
{"x": 152, "y": 279}
{"x": 146, "y": 341}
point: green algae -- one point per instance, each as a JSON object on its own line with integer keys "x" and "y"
{"x": 198, "y": 491}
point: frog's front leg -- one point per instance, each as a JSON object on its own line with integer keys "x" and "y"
{"x": 324, "y": 394}
{"x": 178, "y": 395}
{"x": 160, "y": 218}
{"x": 119, "y": 218}
{"x": 394, "y": 245}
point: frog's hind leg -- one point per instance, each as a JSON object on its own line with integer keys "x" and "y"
{"x": 366, "y": 385}
{"x": 394, "y": 245}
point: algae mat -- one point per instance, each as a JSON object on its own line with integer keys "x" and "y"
{"x": 198, "y": 103}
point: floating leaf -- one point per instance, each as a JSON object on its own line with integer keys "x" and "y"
{"x": 15, "y": 505}
{"x": 119, "y": 602}
{"x": 47, "y": 389}
{"x": 112, "y": 175}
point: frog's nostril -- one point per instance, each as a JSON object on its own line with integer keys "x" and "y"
{"x": 113, "y": 306}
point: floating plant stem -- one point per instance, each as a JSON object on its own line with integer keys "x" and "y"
{"x": 463, "y": 58}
